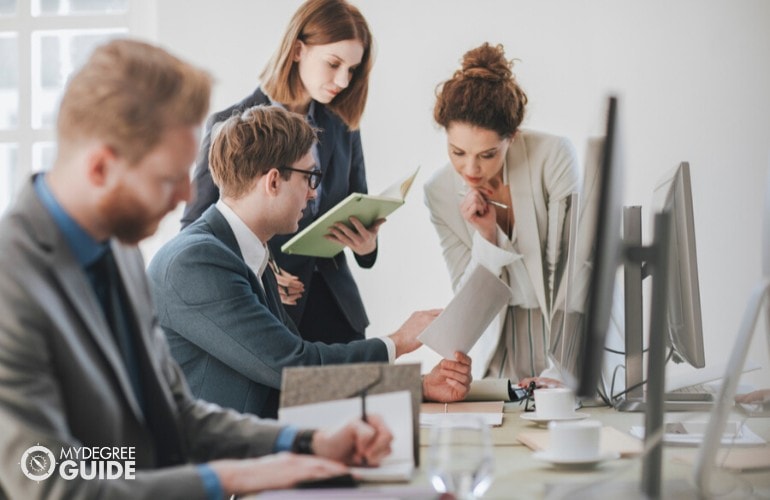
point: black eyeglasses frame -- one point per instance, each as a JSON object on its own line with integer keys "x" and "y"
{"x": 313, "y": 176}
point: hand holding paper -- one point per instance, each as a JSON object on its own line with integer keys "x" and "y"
{"x": 406, "y": 337}
{"x": 449, "y": 380}
{"x": 466, "y": 316}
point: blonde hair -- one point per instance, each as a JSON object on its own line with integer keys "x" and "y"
{"x": 247, "y": 145}
{"x": 128, "y": 94}
{"x": 321, "y": 22}
{"x": 483, "y": 92}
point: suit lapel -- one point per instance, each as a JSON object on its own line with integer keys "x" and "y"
{"x": 77, "y": 289}
{"x": 326, "y": 140}
{"x": 520, "y": 181}
{"x": 159, "y": 402}
{"x": 221, "y": 230}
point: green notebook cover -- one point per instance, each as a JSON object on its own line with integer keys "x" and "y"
{"x": 366, "y": 207}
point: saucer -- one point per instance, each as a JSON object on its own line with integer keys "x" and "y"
{"x": 576, "y": 463}
{"x": 534, "y": 417}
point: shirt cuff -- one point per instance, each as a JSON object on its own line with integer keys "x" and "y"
{"x": 285, "y": 439}
{"x": 491, "y": 256}
{"x": 211, "y": 482}
{"x": 391, "y": 347}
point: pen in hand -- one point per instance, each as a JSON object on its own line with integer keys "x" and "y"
{"x": 364, "y": 419}
{"x": 491, "y": 202}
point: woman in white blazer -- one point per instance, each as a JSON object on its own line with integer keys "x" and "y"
{"x": 501, "y": 202}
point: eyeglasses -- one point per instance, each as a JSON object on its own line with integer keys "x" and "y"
{"x": 313, "y": 176}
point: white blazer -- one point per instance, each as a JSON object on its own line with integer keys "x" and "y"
{"x": 542, "y": 172}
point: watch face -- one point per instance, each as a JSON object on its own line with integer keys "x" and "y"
{"x": 38, "y": 463}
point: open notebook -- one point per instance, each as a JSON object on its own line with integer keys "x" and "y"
{"x": 395, "y": 408}
{"x": 365, "y": 207}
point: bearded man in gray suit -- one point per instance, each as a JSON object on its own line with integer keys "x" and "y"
{"x": 83, "y": 362}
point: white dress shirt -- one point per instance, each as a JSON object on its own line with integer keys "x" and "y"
{"x": 254, "y": 252}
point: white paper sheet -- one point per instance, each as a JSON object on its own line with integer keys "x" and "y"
{"x": 735, "y": 434}
{"x": 467, "y": 315}
{"x": 395, "y": 409}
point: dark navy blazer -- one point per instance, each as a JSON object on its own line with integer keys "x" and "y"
{"x": 230, "y": 338}
{"x": 342, "y": 161}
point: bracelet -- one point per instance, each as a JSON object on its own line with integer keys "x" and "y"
{"x": 303, "y": 442}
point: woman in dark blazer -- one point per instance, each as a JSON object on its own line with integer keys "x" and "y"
{"x": 320, "y": 70}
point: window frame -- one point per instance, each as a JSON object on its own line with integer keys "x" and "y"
{"x": 138, "y": 20}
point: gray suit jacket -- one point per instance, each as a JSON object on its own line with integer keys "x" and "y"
{"x": 63, "y": 383}
{"x": 219, "y": 324}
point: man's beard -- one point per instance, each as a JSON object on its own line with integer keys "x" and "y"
{"x": 126, "y": 219}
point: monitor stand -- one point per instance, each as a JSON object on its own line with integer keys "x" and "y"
{"x": 635, "y": 270}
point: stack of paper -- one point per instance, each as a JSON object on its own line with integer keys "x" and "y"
{"x": 691, "y": 433}
{"x": 490, "y": 412}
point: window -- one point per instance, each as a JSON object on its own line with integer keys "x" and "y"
{"x": 41, "y": 43}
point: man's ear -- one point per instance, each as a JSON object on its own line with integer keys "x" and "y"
{"x": 101, "y": 160}
{"x": 273, "y": 181}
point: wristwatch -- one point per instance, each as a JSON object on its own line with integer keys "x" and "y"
{"x": 303, "y": 442}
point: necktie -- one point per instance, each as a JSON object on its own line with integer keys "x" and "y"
{"x": 270, "y": 285}
{"x": 105, "y": 278}
{"x": 109, "y": 290}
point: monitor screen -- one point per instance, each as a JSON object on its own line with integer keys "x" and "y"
{"x": 673, "y": 194}
{"x": 567, "y": 320}
{"x": 606, "y": 245}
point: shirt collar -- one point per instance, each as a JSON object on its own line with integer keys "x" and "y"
{"x": 253, "y": 250}
{"x": 85, "y": 248}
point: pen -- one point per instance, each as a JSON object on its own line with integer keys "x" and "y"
{"x": 364, "y": 461}
{"x": 363, "y": 406}
{"x": 491, "y": 202}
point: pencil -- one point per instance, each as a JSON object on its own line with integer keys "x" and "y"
{"x": 491, "y": 202}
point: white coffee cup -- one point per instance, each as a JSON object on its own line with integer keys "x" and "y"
{"x": 574, "y": 440}
{"x": 557, "y": 402}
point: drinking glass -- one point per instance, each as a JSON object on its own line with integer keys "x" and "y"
{"x": 460, "y": 458}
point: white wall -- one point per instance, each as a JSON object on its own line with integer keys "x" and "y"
{"x": 693, "y": 75}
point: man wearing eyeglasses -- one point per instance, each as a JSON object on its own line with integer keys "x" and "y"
{"x": 217, "y": 298}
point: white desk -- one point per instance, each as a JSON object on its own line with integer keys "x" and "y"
{"x": 519, "y": 475}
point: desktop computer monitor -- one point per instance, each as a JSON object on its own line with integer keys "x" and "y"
{"x": 592, "y": 271}
{"x": 683, "y": 330}
{"x": 567, "y": 320}
{"x": 673, "y": 194}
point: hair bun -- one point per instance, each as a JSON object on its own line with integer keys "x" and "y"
{"x": 486, "y": 62}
